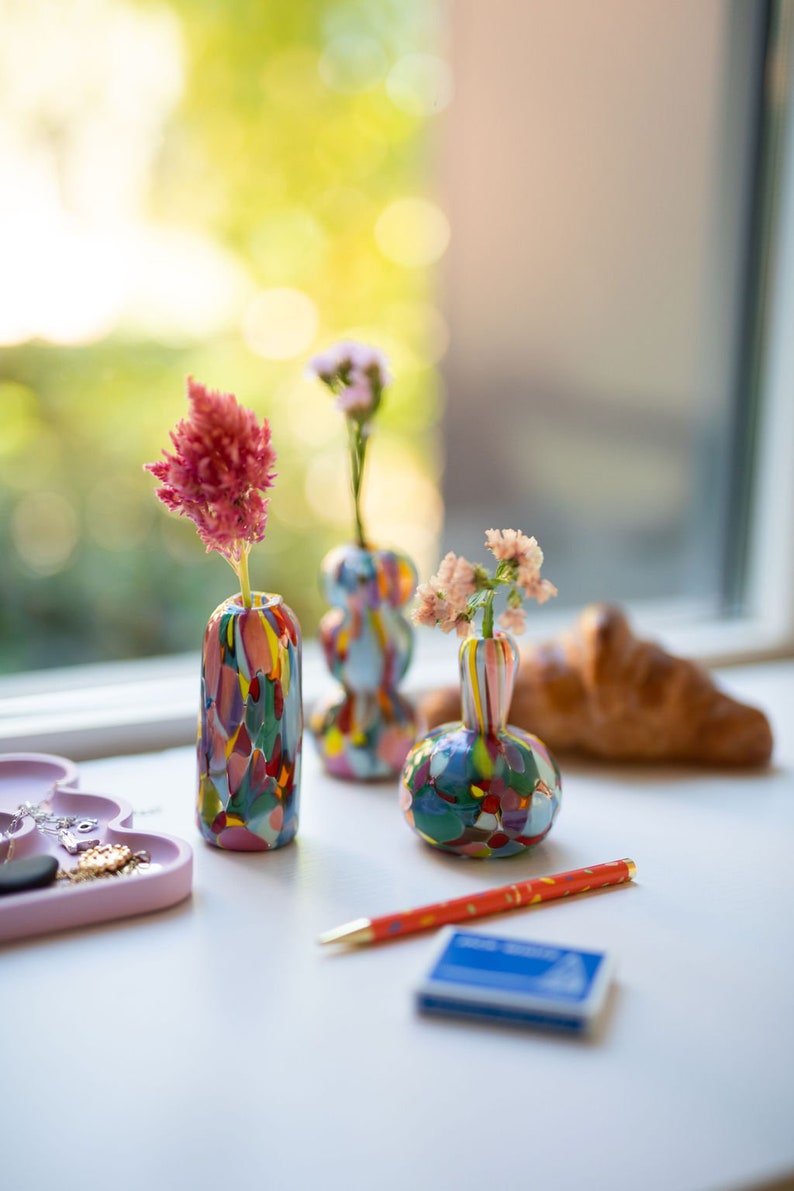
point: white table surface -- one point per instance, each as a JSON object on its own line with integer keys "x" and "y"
{"x": 216, "y": 1045}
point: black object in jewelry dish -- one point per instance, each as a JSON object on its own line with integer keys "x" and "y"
{"x": 70, "y": 858}
{"x": 33, "y": 872}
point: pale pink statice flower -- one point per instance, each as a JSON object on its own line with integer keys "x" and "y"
{"x": 453, "y": 583}
{"x": 356, "y": 399}
{"x": 460, "y": 591}
{"x": 533, "y": 587}
{"x": 349, "y": 358}
{"x": 456, "y": 578}
{"x": 221, "y": 465}
{"x": 443, "y": 599}
{"x": 430, "y": 607}
{"x": 511, "y": 545}
{"x": 356, "y": 374}
{"x": 513, "y": 620}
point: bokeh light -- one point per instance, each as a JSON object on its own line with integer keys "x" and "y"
{"x": 79, "y": 135}
{"x": 19, "y": 418}
{"x": 116, "y": 518}
{"x": 327, "y": 490}
{"x": 352, "y": 63}
{"x": 309, "y": 415}
{"x": 413, "y": 232}
{"x": 183, "y": 287}
{"x": 44, "y": 531}
{"x": 280, "y": 323}
{"x": 290, "y": 242}
{"x": 420, "y": 84}
{"x": 400, "y": 469}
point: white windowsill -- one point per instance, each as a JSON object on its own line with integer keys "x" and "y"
{"x": 129, "y": 707}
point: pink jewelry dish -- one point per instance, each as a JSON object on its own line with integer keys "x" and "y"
{"x": 42, "y": 779}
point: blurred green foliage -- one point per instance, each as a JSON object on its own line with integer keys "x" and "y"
{"x": 281, "y": 151}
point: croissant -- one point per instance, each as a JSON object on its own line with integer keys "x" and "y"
{"x": 600, "y": 690}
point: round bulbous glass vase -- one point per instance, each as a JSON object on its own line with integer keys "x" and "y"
{"x": 250, "y": 726}
{"x": 482, "y": 787}
{"x": 364, "y": 729}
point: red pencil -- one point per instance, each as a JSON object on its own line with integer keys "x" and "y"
{"x": 490, "y": 901}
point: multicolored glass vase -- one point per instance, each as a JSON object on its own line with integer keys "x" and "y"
{"x": 251, "y": 725}
{"x": 482, "y": 787}
{"x": 365, "y": 730}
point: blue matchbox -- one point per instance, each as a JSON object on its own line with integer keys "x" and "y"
{"x": 515, "y": 982}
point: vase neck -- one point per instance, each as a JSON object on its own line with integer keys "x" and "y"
{"x": 358, "y": 577}
{"x": 487, "y": 675}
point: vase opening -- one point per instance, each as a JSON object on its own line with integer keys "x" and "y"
{"x": 259, "y": 599}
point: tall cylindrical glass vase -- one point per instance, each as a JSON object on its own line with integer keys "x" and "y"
{"x": 251, "y": 725}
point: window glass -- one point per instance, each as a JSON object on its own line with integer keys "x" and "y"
{"x": 547, "y": 216}
{"x": 600, "y": 169}
{"x": 219, "y": 190}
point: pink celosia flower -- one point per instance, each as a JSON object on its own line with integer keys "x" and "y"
{"x": 221, "y": 464}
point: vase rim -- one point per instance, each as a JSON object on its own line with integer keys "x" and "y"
{"x": 344, "y": 548}
{"x": 477, "y": 638}
{"x": 259, "y": 599}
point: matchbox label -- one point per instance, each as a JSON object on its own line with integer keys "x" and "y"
{"x": 529, "y": 969}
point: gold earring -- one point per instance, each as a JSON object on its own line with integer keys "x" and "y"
{"x": 105, "y": 860}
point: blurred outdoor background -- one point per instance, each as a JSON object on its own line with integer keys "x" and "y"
{"x": 546, "y": 215}
{"x": 189, "y": 187}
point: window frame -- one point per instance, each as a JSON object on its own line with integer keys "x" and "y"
{"x": 769, "y": 552}
{"x": 125, "y": 707}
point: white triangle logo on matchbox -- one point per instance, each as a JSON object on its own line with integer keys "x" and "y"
{"x": 568, "y": 975}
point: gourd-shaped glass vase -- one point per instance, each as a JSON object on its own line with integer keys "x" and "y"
{"x": 365, "y": 730}
{"x": 251, "y": 725}
{"x": 482, "y": 787}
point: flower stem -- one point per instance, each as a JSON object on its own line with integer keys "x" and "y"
{"x": 245, "y": 582}
{"x": 358, "y": 452}
{"x": 487, "y": 616}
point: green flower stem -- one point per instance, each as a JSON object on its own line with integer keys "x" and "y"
{"x": 358, "y": 453}
{"x": 487, "y": 616}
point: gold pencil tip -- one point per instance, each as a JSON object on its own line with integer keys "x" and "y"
{"x": 631, "y": 866}
{"x": 358, "y": 931}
